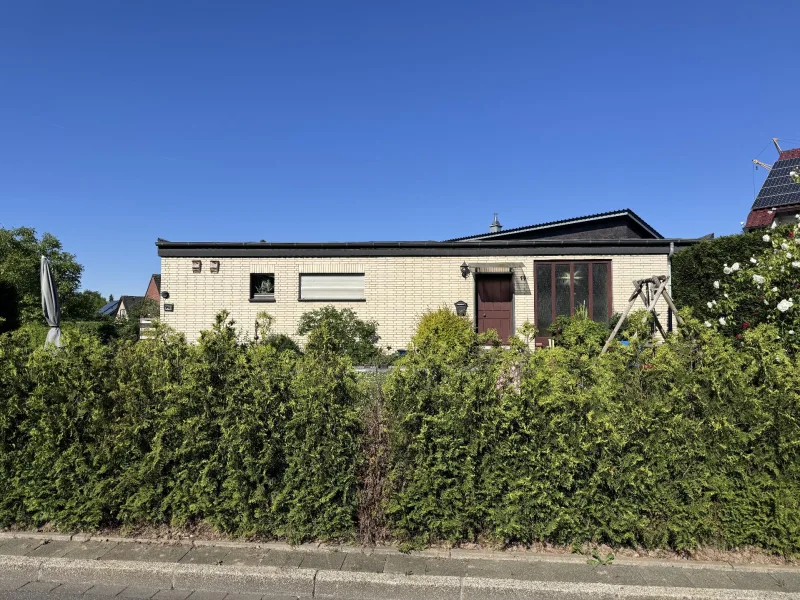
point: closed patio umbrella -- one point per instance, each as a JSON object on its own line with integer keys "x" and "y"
{"x": 50, "y": 306}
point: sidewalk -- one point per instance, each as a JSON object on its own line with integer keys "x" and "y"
{"x": 349, "y": 572}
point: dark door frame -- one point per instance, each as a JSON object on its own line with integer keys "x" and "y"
{"x": 475, "y": 298}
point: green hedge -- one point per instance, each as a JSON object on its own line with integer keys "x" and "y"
{"x": 695, "y": 269}
{"x": 163, "y": 432}
{"x": 694, "y": 442}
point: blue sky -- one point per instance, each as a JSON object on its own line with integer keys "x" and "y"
{"x": 122, "y": 122}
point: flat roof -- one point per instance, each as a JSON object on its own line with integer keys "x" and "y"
{"x": 169, "y": 249}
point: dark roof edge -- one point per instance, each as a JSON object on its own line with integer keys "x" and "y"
{"x": 164, "y": 244}
{"x": 571, "y": 221}
{"x": 476, "y": 248}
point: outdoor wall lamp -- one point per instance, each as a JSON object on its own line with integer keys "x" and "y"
{"x": 465, "y": 270}
{"x": 215, "y": 266}
{"x": 165, "y": 295}
{"x": 461, "y": 308}
{"x": 197, "y": 265}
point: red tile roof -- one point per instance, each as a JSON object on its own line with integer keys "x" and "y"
{"x": 760, "y": 218}
{"x": 789, "y": 154}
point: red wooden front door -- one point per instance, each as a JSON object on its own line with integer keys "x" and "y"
{"x": 494, "y": 304}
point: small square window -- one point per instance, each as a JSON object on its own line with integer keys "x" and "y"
{"x": 262, "y": 287}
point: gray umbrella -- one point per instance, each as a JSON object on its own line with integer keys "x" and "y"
{"x": 50, "y": 306}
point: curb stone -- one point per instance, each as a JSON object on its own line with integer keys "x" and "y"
{"x": 454, "y": 553}
{"x": 338, "y": 584}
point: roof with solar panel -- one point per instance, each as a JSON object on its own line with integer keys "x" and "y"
{"x": 779, "y": 192}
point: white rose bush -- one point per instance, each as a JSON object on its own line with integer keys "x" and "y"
{"x": 764, "y": 290}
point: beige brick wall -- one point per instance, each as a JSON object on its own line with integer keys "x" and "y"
{"x": 398, "y": 290}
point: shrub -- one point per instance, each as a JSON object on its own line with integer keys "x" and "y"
{"x": 443, "y": 331}
{"x": 694, "y": 269}
{"x": 322, "y": 438}
{"x": 580, "y": 332}
{"x": 63, "y": 423}
{"x": 283, "y": 343}
{"x": 353, "y": 336}
{"x": 654, "y": 447}
{"x": 761, "y": 289}
{"x": 689, "y": 443}
{"x": 435, "y": 402}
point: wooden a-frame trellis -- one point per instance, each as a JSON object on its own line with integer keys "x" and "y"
{"x": 649, "y": 298}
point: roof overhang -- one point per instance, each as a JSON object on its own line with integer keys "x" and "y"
{"x": 466, "y": 248}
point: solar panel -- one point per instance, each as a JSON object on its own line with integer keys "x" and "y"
{"x": 109, "y": 308}
{"x": 779, "y": 189}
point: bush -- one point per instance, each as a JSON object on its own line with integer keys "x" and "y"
{"x": 322, "y": 438}
{"x": 354, "y": 337}
{"x": 435, "y": 402}
{"x": 580, "y": 332}
{"x": 694, "y": 269}
{"x": 761, "y": 289}
{"x": 283, "y": 343}
{"x": 664, "y": 447}
{"x": 690, "y": 443}
{"x": 159, "y": 431}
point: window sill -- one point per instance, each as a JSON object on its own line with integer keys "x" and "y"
{"x": 262, "y": 299}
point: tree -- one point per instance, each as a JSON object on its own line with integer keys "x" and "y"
{"x": 83, "y": 306}
{"x": 20, "y": 250}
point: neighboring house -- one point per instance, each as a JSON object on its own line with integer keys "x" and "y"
{"x": 154, "y": 288}
{"x": 505, "y": 277}
{"x": 779, "y": 198}
{"x": 109, "y": 309}
{"x": 120, "y": 309}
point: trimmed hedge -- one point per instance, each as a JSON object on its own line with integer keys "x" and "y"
{"x": 695, "y": 269}
{"x": 694, "y": 442}
{"x": 163, "y": 432}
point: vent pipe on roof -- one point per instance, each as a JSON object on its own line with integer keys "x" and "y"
{"x": 495, "y": 226}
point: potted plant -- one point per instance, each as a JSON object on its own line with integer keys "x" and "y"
{"x": 264, "y": 288}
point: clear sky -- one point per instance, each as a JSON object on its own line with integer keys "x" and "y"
{"x": 122, "y": 122}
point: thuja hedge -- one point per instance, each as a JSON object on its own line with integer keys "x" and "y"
{"x": 694, "y": 442}
{"x": 242, "y": 437}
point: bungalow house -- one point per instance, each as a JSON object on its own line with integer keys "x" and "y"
{"x": 499, "y": 279}
{"x": 778, "y": 200}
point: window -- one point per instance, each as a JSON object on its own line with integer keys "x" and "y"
{"x": 332, "y": 287}
{"x": 262, "y": 287}
{"x": 562, "y": 287}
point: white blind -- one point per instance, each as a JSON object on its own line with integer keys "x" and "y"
{"x": 332, "y": 287}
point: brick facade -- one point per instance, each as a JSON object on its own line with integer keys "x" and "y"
{"x": 398, "y": 290}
